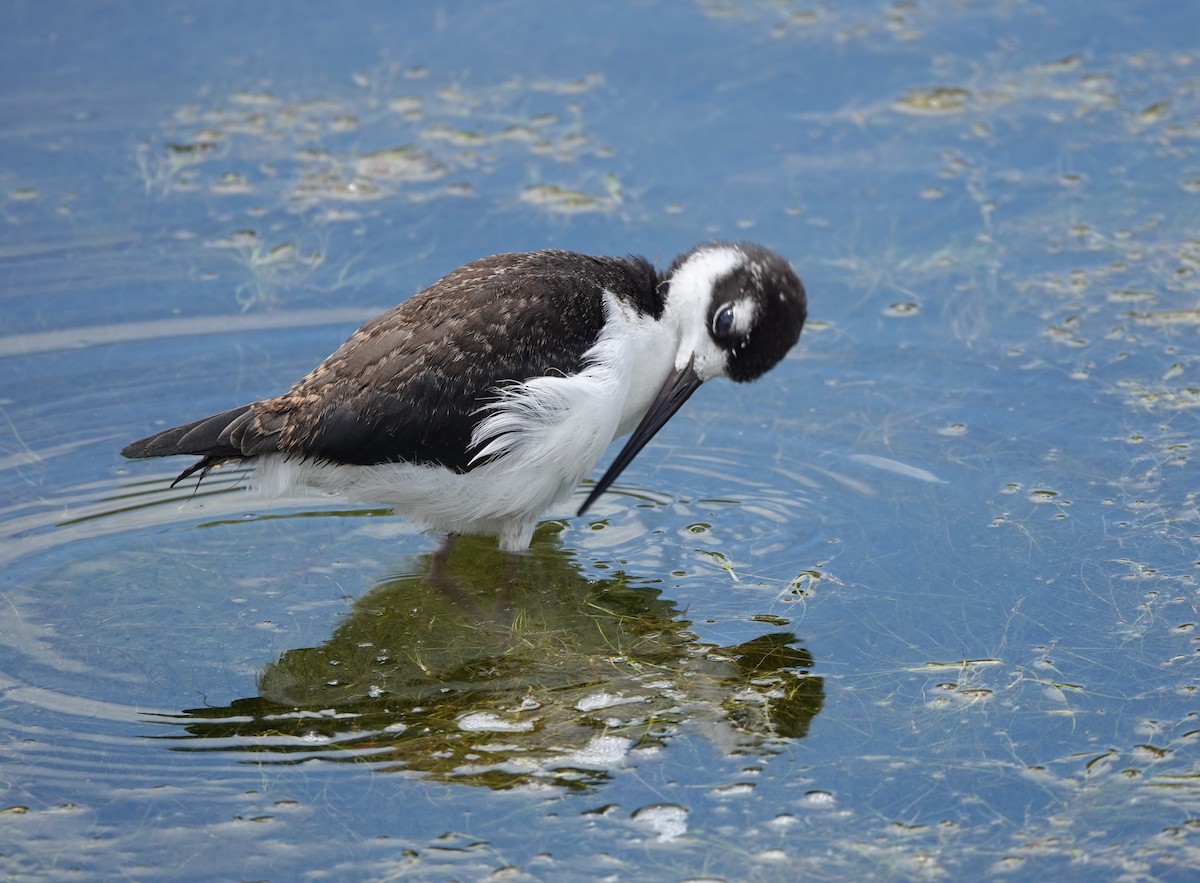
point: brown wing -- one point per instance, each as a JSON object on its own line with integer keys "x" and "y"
{"x": 409, "y": 384}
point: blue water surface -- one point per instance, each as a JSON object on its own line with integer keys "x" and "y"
{"x": 920, "y": 603}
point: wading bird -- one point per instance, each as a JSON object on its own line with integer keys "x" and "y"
{"x": 482, "y": 401}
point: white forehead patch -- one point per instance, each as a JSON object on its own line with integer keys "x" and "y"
{"x": 692, "y": 283}
{"x": 688, "y": 305}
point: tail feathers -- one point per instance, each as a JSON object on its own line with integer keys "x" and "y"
{"x": 217, "y": 439}
{"x": 203, "y": 466}
{"x": 207, "y": 437}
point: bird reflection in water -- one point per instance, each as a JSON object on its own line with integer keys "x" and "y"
{"x": 546, "y": 677}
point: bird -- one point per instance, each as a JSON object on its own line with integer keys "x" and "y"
{"x": 484, "y": 400}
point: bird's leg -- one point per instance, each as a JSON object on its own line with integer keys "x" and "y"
{"x": 438, "y": 574}
{"x": 441, "y": 579}
{"x": 510, "y": 578}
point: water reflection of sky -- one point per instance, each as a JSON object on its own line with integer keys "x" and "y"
{"x": 921, "y": 602}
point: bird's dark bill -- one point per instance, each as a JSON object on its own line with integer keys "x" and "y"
{"x": 677, "y": 389}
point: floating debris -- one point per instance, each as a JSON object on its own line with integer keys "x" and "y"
{"x": 667, "y": 821}
{"x": 565, "y": 201}
{"x": 405, "y": 163}
{"x": 940, "y": 99}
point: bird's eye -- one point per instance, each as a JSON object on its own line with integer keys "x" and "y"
{"x": 723, "y": 321}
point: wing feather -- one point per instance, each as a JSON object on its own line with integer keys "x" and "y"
{"x": 409, "y": 384}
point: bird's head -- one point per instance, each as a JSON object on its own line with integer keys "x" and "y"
{"x": 737, "y": 310}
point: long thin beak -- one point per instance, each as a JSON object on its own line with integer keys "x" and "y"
{"x": 675, "y": 391}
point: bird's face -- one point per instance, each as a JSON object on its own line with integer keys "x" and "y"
{"x": 737, "y": 309}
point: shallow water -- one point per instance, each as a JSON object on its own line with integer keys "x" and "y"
{"x": 919, "y": 603}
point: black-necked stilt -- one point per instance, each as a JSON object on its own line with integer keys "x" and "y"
{"x": 482, "y": 401}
